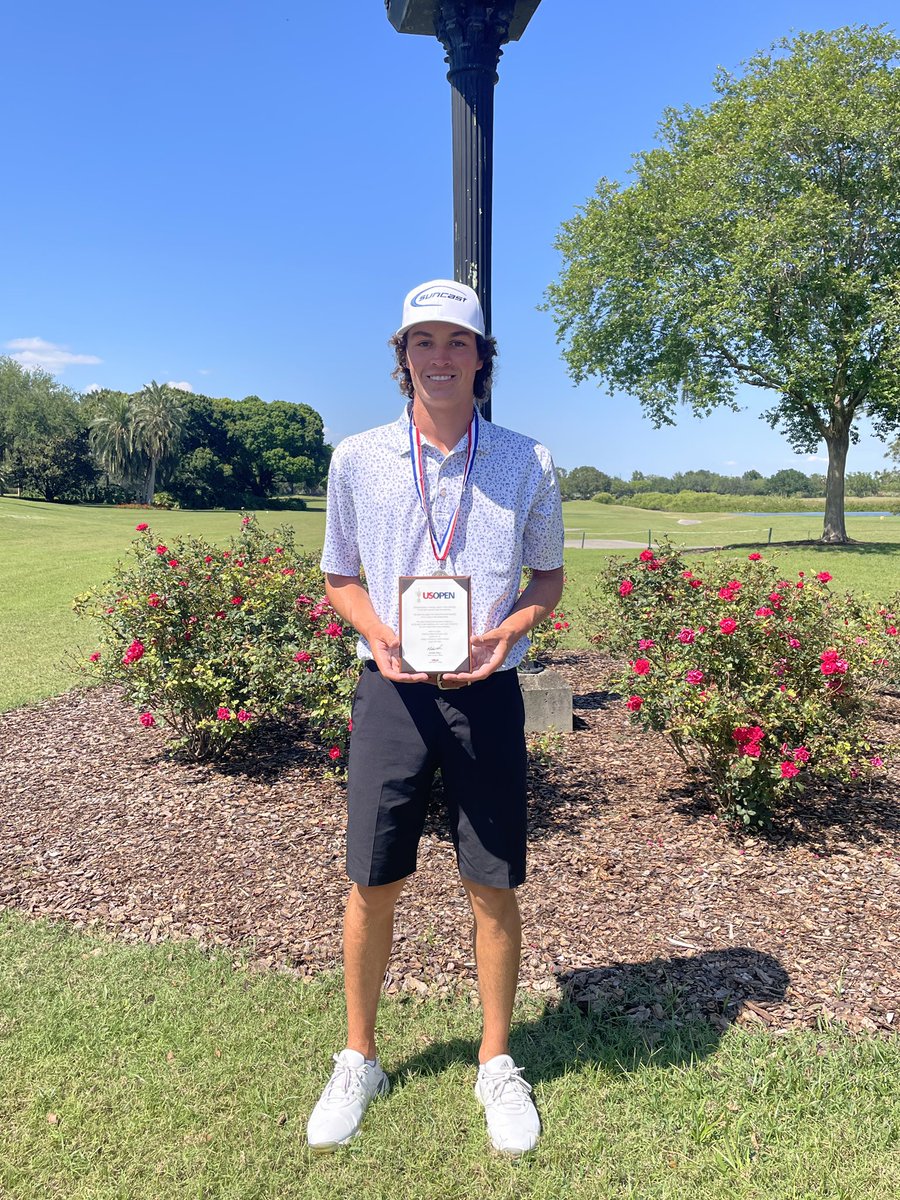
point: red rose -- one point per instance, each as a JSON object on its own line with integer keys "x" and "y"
{"x": 237, "y": 600}
{"x": 694, "y": 677}
{"x": 350, "y": 725}
{"x": 641, "y": 666}
{"x": 142, "y": 527}
{"x": 754, "y": 557}
{"x": 646, "y": 556}
{"x": 789, "y": 770}
{"x": 133, "y": 653}
{"x": 161, "y": 550}
{"x": 222, "y": 713}
{"x": 626, "y": 587}
{"x": 153, "y": 600}
{"x": 147, "y": 720}
{"x": 265, "y": 559}
{"x": 334, "y": 754}
{"x": 824, "y": 577}
{"x": 302, "y": 657}
{"x": 634, "y": 703}
{"x": 95, "y": 657}
{"x": 243, "y": 716}
{"x": 728, "y": 625}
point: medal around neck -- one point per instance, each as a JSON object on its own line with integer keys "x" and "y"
{"x": 435, "y": 623}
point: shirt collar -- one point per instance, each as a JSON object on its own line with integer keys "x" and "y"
{"x": 400, "y": 433}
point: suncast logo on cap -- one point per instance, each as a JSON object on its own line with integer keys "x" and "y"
{"x": 431, "y": 297}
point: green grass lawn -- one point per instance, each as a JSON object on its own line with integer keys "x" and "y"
{"x": 51, "y": 552}
{"x": 150, "y": 1072}
{"x": 158, "y": 1072}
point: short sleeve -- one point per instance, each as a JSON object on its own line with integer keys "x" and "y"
{"x": 340, "y": 555}
{"x": 542, "y": 540}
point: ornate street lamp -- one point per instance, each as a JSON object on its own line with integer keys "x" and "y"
{"x": 472, "y": 34}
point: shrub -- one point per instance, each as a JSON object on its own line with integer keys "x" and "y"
{"x": 603, "y": 498}
{"x": 211, "y": 641}
{"x": 760, "y": 681}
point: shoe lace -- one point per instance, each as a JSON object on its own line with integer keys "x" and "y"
{"x": 345, "y": 1082}
{"x": 507, "y": 1088}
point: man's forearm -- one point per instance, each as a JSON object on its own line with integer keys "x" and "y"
{"x": 350, "y": 600}
{"x": 538, "y": 600}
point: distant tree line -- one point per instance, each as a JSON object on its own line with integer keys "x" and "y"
{"x": 159, "y": 443}
{"x": 583, "y": 483}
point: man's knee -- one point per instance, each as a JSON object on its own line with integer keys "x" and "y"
{"x": 378, "y": 898}
{"x": 491, "y": 903}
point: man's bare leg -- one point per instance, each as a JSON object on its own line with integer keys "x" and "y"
{"x": 498, "y": 945}
{"x": 368, "y": 935}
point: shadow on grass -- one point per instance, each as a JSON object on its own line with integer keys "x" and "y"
{"x": 665, "y": 1012}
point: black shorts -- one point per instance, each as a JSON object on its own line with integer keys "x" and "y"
{"x": 402, "y": 732}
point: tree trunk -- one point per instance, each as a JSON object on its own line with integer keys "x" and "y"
{"x": 151, "y": 481}
{"x": 835, "y": 530}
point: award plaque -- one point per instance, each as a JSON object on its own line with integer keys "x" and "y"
{"x": 435, "y": 622}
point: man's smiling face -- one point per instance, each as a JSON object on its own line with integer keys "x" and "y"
{"x": 443, "y": 361}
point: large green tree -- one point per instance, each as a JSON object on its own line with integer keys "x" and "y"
{"x": 112, "y": 434}
{"x": 43, "y": 438}
{"x": 158, "y": 418}
{"x": 758, "y": 244}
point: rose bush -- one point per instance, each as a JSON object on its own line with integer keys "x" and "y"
{"x": 760, "y": 681}
{"x": 209, "y": 641}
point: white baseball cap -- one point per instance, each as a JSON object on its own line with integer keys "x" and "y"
{"x": 443, "y": 300}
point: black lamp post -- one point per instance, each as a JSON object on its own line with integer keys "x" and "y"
{"x": 472, "y": 33}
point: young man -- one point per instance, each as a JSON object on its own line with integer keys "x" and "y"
{"x": 441, "y": 490}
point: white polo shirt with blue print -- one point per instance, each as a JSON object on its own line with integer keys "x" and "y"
{"x": 510, "y": 517}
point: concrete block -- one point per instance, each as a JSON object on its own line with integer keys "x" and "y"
{"x": 548, "y": 702}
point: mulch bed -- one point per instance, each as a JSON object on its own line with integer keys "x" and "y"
{"x": 640, "y": 904}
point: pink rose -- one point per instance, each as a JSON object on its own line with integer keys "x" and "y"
{"x": 646, "y": 644}
{"x": 728, "y": 625}
{"x": 302, "y": 656}
{"x": 332, "y": 629}
{"x": 626, "y": 587}
{"x": 695, "y": 583}
{"x": 134, "y": 652}
{"x": 334, "y": 754}
{"x": 95, "y": 657}
{"x": 147, "y": 720}
{"x": 350, "y": 725}
{"x": 789, "y": 770}
{"x": 243, "y": 716}
{"x": 824, "y": 577}
{"x": 801, "y": 755}
{"x": 694, "y": 677}
{"x": 686, "y": 636}
{"x": 223, "y": 713}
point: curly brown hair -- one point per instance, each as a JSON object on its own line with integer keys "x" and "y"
{"x": 481, "y": 388}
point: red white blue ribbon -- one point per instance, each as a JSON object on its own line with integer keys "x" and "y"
{"x": 440, "y": 545}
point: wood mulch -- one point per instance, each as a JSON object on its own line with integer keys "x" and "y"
{"x": 640, "y": 904}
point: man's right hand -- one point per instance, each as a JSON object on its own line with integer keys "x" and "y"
{"x": 385, "y": 647}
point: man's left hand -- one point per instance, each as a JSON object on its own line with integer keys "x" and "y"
{"x": 488, "y": 652}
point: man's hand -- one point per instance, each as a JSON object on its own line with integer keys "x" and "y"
{"x": 385, "y": 647}
{"x": 488, "y": 652}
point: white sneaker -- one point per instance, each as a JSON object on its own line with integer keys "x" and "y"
{"x": 339, "y": 1112}
{"x": 512, "y": 1119}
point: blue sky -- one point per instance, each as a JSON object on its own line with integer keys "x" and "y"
{"x": 236, "y": 197}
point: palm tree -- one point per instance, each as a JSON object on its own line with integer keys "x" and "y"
{"x": 112, "y": 434}
{"x": 158, "y": 417}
